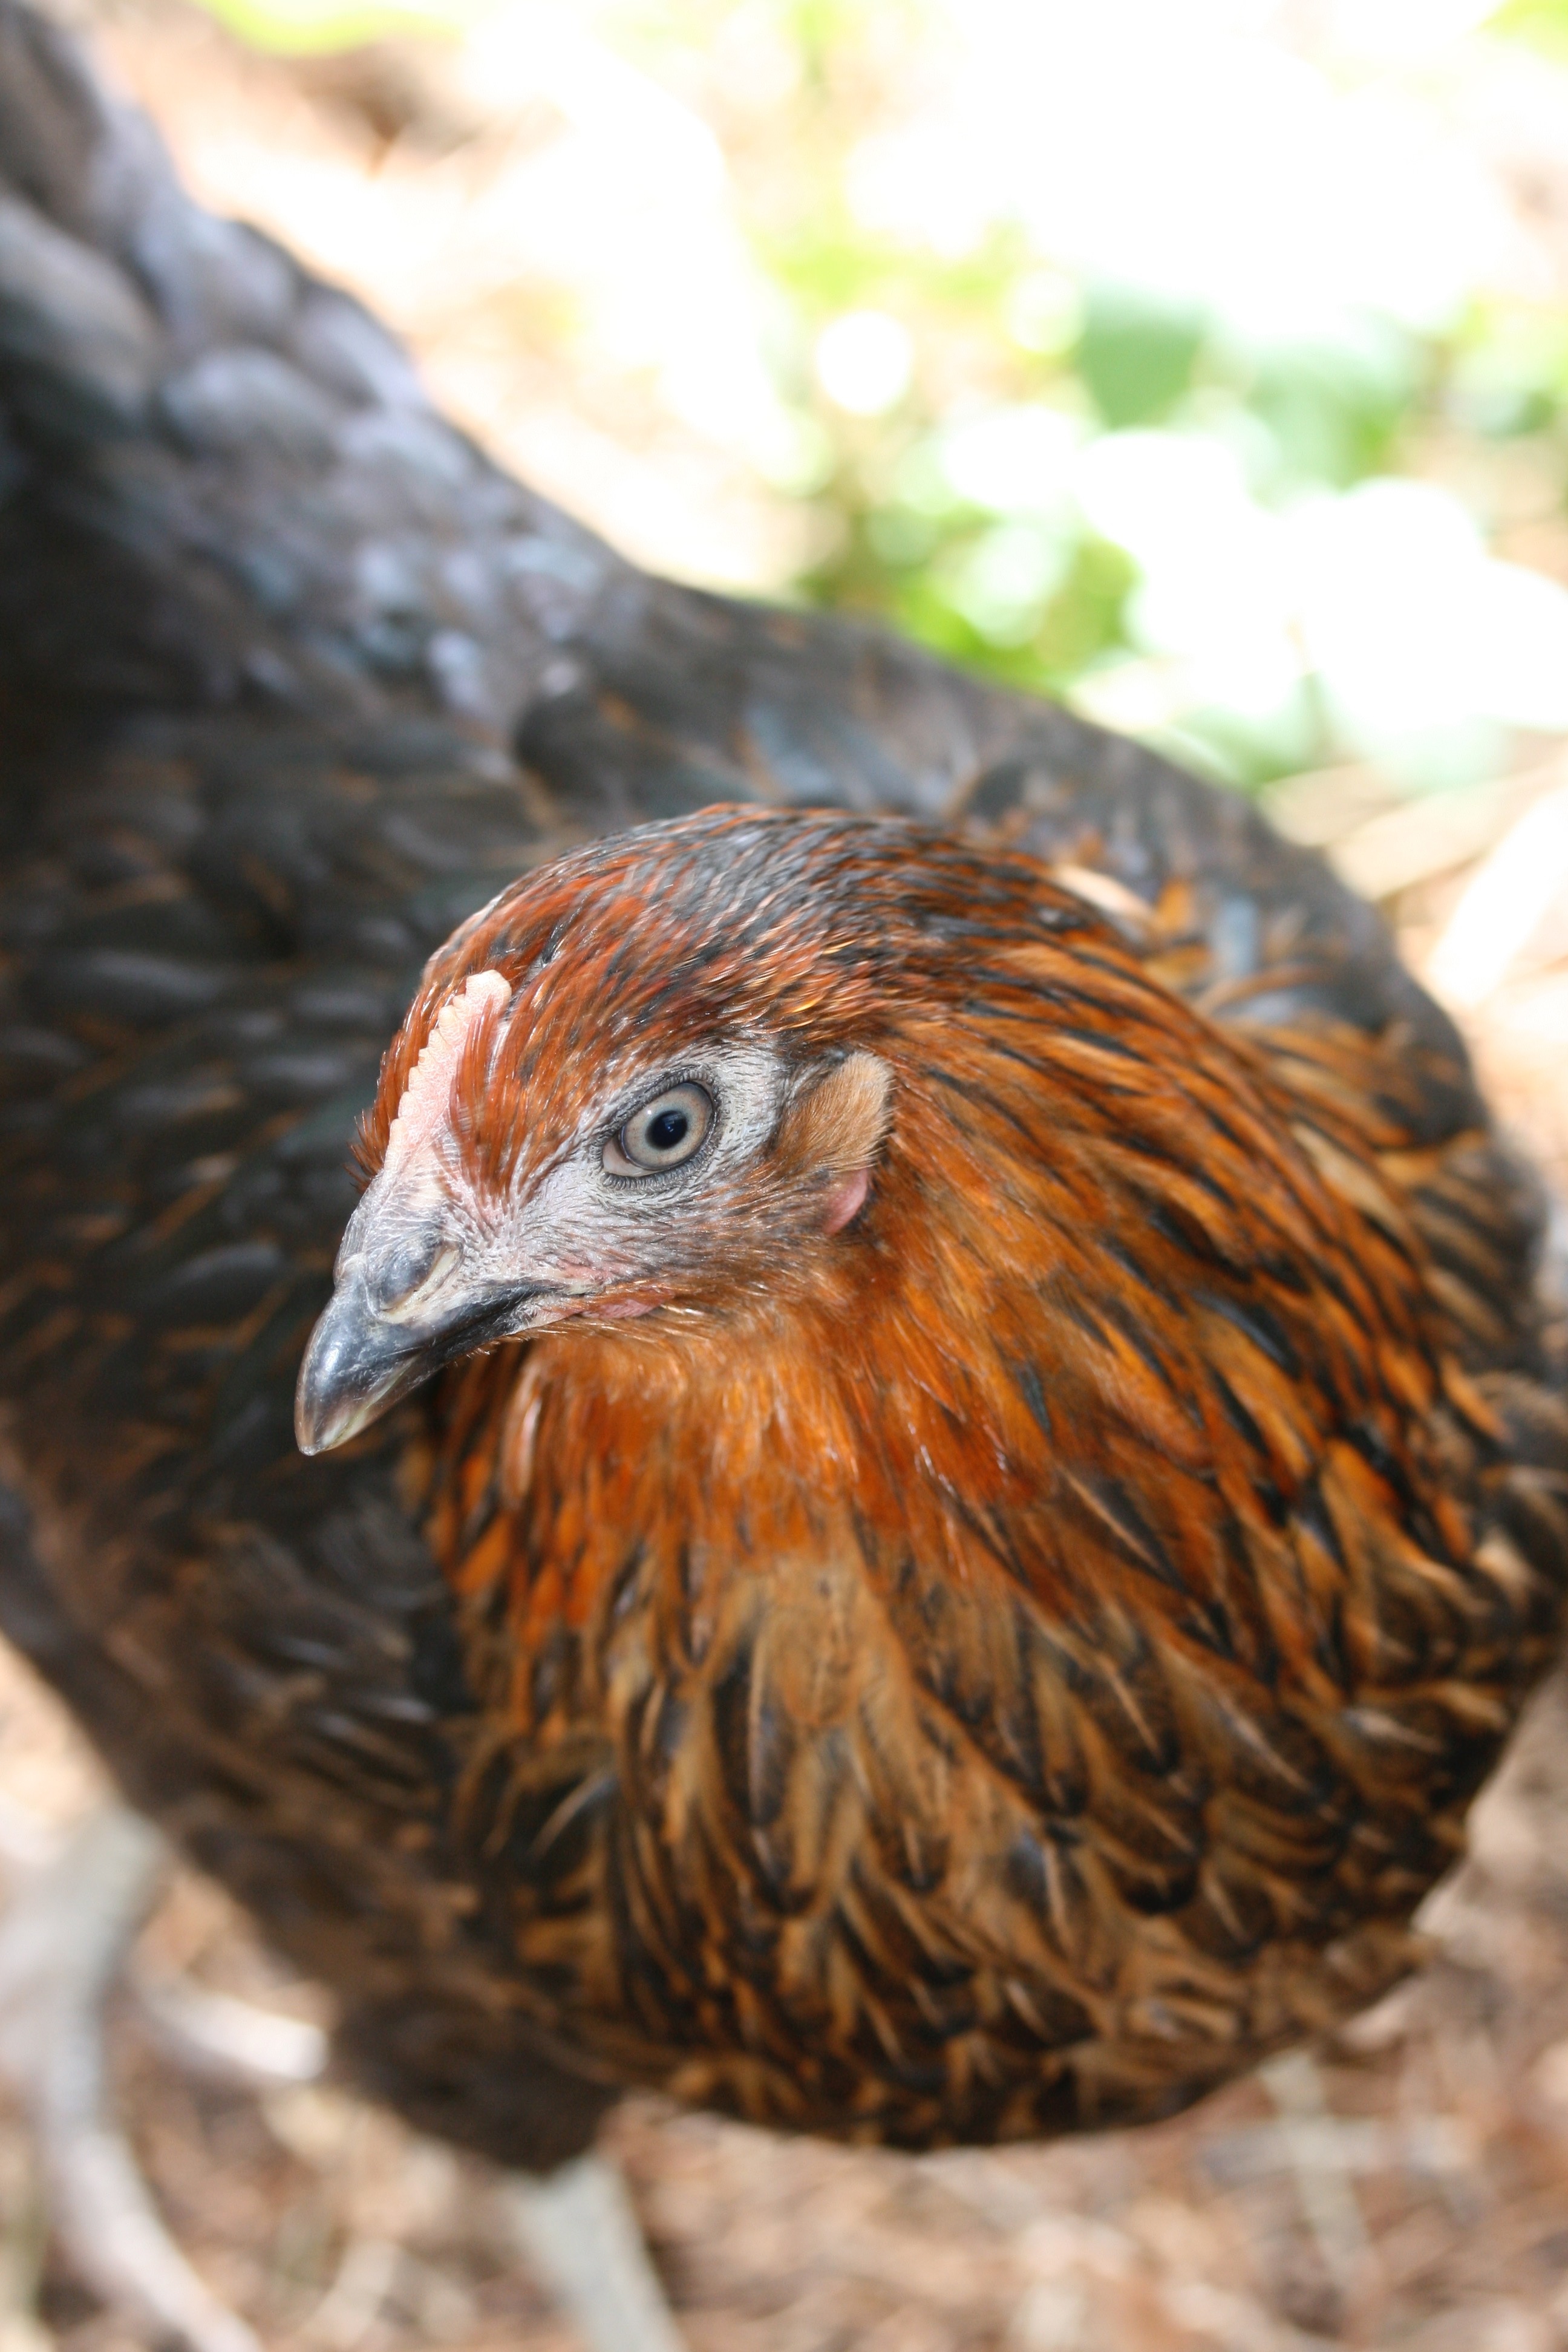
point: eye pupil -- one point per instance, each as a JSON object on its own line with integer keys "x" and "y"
{"x": 667, "y": 1130}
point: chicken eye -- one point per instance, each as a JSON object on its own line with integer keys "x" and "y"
{"x": 665, "y": 1133}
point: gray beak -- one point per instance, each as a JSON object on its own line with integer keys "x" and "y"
{"x": 361, "y": 1360}
{"x": 357, "y": 1365}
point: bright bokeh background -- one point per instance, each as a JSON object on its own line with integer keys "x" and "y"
{"x": 1202, "y": 361}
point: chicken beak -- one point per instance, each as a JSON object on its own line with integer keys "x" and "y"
{"x": 358, "y": 1364}
{"x": 365, "y": 1354}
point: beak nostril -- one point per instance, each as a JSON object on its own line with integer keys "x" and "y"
{"x": 424, "y": 1292}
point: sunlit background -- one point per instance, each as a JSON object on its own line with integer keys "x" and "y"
{"x": 1204, "y": 362}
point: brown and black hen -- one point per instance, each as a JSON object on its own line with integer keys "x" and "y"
{"x": 1006, "y": 1545}
{"x": 997, "y": 1484}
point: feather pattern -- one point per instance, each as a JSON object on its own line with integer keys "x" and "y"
{"x": 1031, "y": 1660}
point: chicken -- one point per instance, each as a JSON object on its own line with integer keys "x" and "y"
{"x": 989, "y": 1527}
{"x": 995, "y": 1481}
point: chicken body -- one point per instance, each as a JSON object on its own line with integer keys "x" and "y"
{"x": 1000, "y": 1661}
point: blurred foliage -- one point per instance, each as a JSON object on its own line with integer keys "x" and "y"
{"x": 949, "y": 498}
{"x": 1070, "y": 479}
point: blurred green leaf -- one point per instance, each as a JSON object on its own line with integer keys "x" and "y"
{"x": 1137, "y": 352}
{"x": 1334, "y": 405}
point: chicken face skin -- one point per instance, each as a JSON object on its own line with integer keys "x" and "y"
{"x": 997, "y": 1659}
